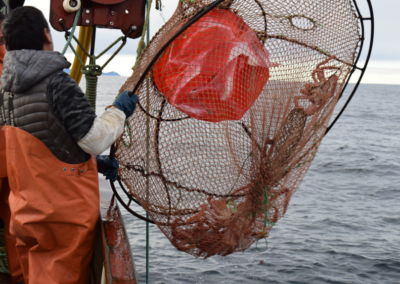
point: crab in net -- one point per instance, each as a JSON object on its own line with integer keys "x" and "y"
{"x": 321, "y": 90}
{"x": 218, "y": 146}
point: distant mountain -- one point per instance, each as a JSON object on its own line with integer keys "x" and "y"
{"x": 104, "y": 74}
{"x": 111, "y": 74}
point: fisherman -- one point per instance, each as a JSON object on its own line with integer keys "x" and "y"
{"x": 12, "y": 258}
{"x": 51, "y": 168}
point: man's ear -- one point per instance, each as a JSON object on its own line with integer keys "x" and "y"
{"x": 47, "y": 36}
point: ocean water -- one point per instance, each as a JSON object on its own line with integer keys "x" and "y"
{"x": 342, "y": 225}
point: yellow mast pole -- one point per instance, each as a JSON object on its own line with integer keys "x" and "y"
{"x": 85, "y": 37}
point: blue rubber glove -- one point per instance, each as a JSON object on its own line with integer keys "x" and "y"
{"x": 107, "y": 167}
{"x": 126, "y": 103}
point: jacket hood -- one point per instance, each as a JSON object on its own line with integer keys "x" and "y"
{"x": 25, "y": 68}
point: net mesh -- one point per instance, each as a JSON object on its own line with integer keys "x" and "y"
{"x": 232, "y": 115}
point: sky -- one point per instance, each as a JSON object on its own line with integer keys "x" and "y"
{"x": 384, "y": 66}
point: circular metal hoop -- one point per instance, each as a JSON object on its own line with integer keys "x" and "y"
{"x": 360, "y": 50}
{"x": 126, "y": 206}
{"x": 203, "y": 12}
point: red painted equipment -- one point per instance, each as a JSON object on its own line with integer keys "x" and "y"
{"x": 112, "y": 14}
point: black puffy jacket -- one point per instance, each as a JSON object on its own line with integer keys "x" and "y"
{"x": 38, "y": 97}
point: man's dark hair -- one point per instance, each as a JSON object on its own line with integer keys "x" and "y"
{"x": 23, "y": 29}
{"x": 2, "y": 17}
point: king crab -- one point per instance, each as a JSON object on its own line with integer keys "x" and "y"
{"x": 321, "y": 90}
{"x": 220, "y": 228}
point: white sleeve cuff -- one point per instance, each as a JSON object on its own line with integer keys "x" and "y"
{"x": 105, "y": 130}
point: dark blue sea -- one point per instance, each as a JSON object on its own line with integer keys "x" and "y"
{"x": 342, "y": 225}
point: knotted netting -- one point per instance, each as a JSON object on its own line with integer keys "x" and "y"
{"x": 231, "y": 115}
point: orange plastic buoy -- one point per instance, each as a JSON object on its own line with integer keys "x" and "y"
{"x": 215, "y": 70}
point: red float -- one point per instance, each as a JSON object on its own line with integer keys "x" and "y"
{"x": 215, "y": 70}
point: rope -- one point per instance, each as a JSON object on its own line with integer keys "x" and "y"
{"x": 91, "y": 89}
{"x": 71, "y": 35}
{"x": 265, "y": 207}
{"x": 142, "y": 45}
{"x": 92, "y": 71}
{"x": 139, "y": 52}
{"x": 129, "y": 136}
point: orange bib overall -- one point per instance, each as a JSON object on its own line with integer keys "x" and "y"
{"x": 13, "y": 263}
{"x": 54, "y": 209}
{"x": 12, "y": 258}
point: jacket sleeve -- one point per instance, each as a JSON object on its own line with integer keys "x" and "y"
{"x": 93, "y": 134}
{"x": 105, "y": 130}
